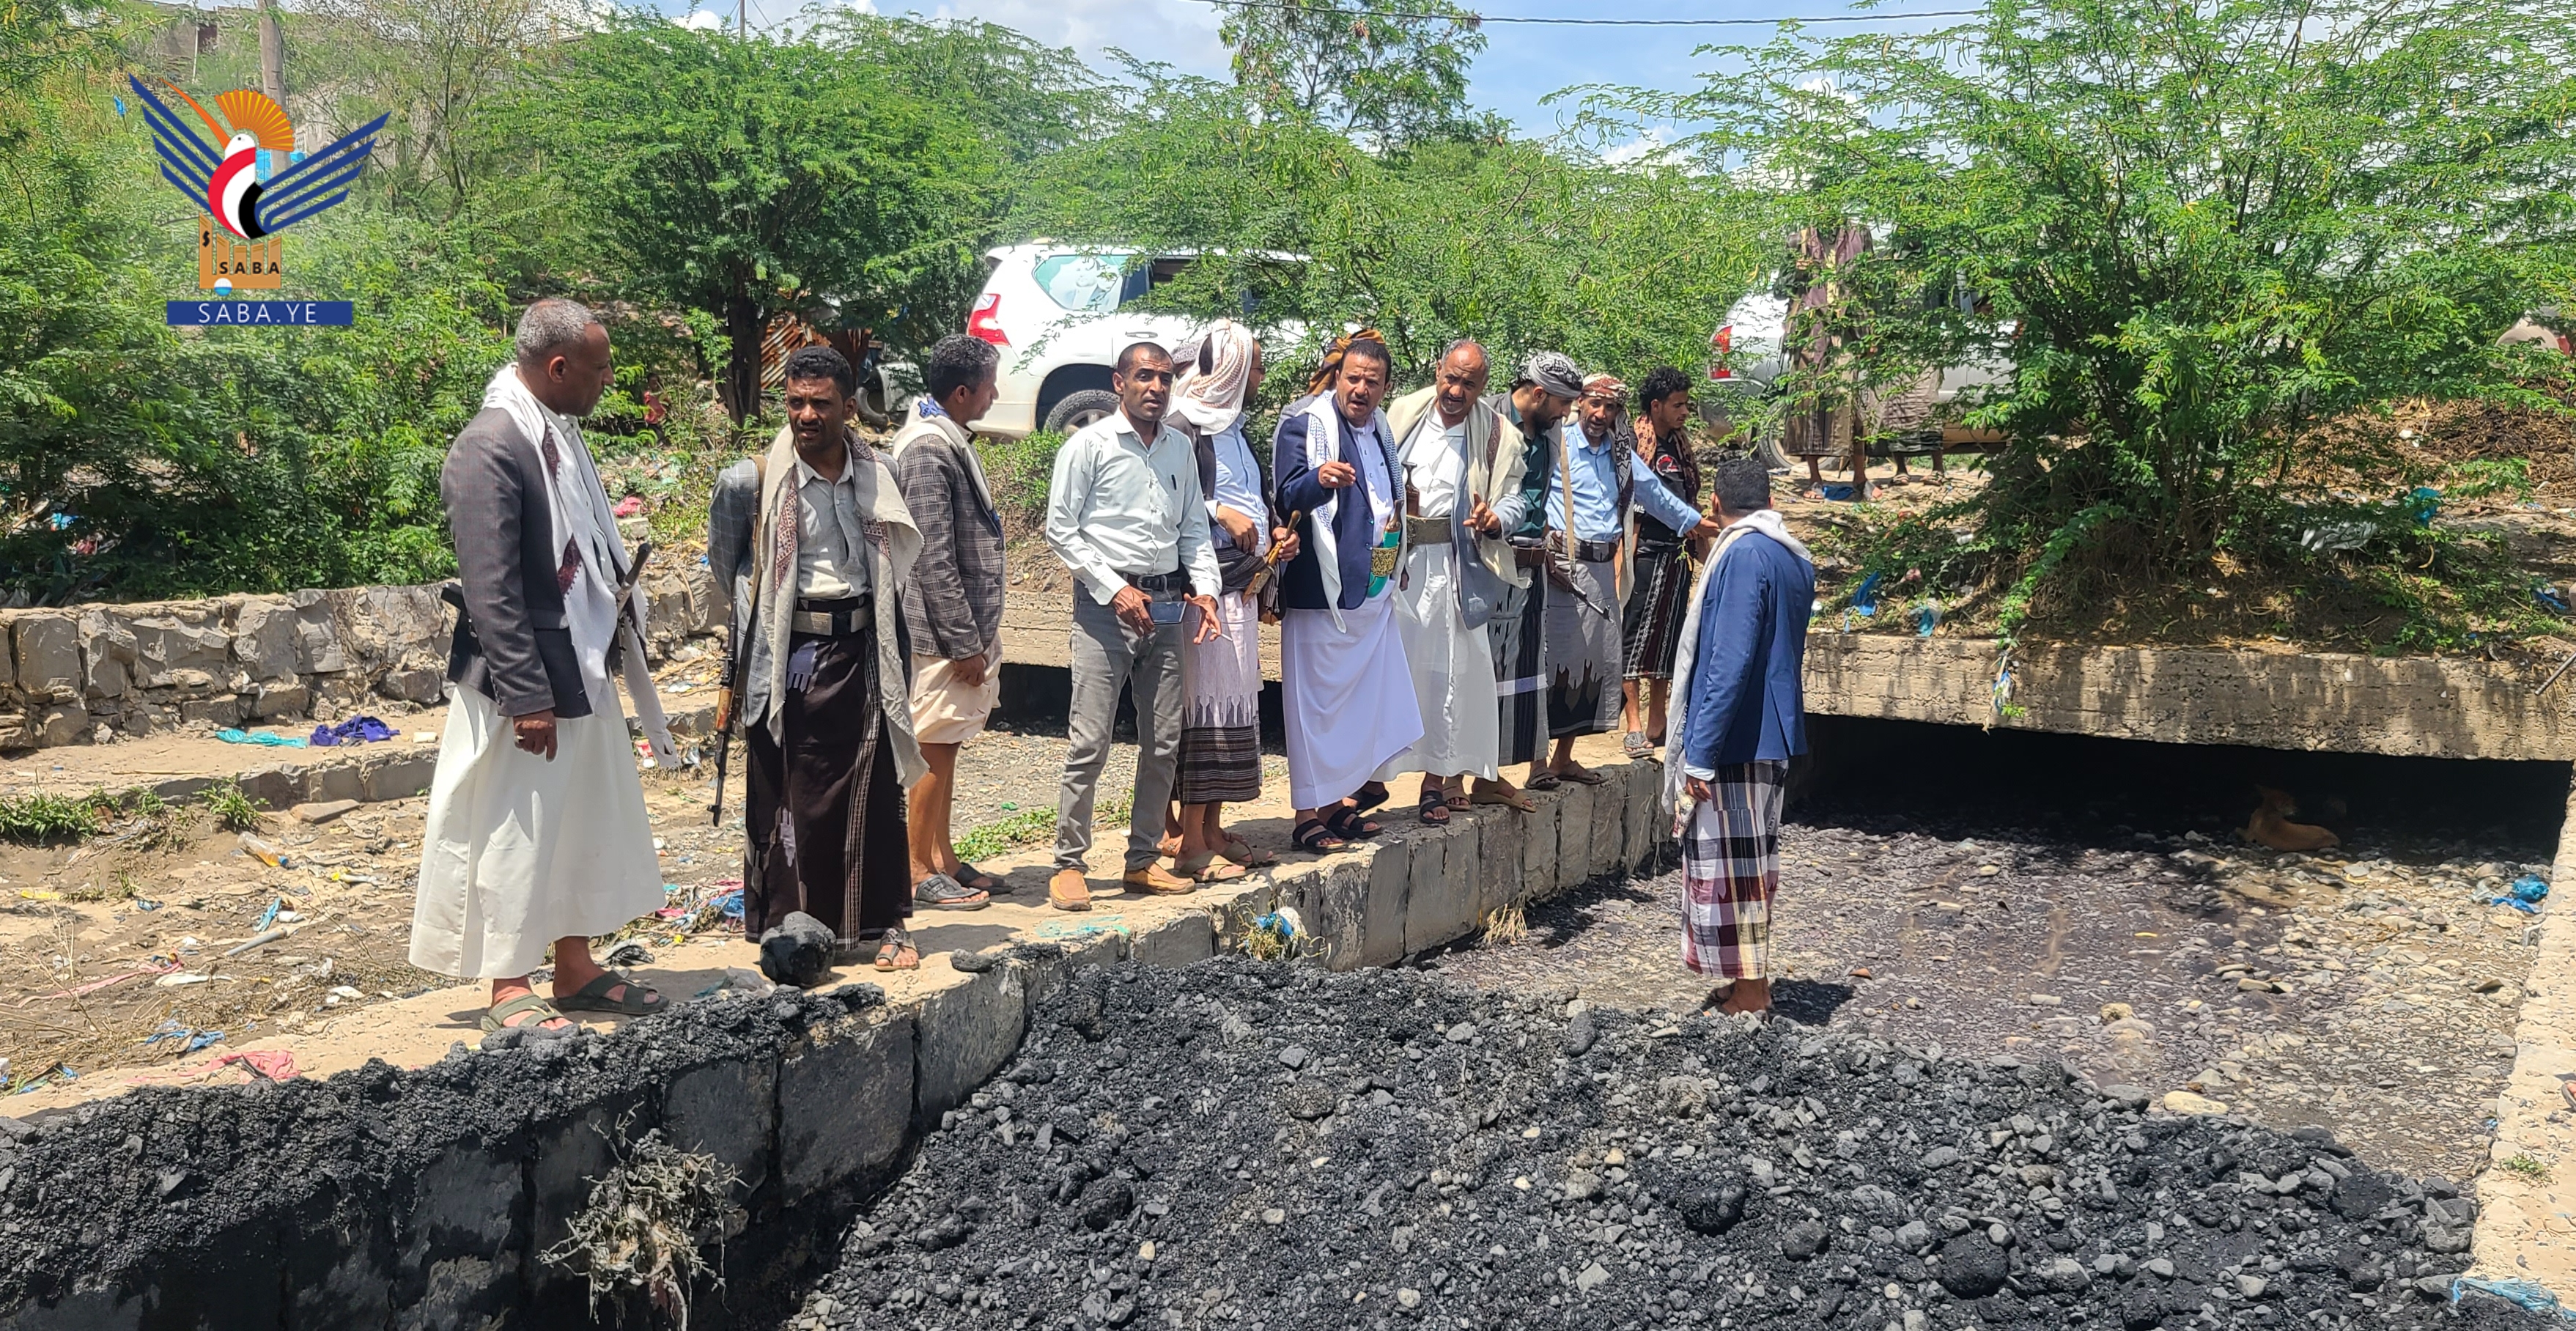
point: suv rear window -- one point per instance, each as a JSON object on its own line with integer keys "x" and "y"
{"x": 1084, "y": 283}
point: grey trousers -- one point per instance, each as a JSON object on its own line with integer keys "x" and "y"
{"x": 1107, "y": 654}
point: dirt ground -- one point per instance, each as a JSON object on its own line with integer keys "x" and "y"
{"x": 114, "y": 956}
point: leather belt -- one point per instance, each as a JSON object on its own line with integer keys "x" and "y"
{"x": 1159, "y": 584}
{"x": 1590, "y": 552}
{"x": 833, "y": 619}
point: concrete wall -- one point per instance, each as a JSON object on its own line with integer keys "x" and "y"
{"x": 148, "y": 668}
{"x": 2411, "y": 706}
{"x": 421, "y": 1199}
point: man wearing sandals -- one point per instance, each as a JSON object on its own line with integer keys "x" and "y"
{"x": 1124, "y": 514}
{"x": 954, "y": 614}
{"x": 1462, "y": 491}
{"x": 1596, "y": 487}
{"x": 815, "y": 545}
{"x": 1346, "y": 695}
{"x": 537, "y": 833}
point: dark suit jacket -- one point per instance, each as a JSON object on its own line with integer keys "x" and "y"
{"x": 512, "y": 644}
{"x": 1354, "y": 527}
{"x": 1745, "y": 701}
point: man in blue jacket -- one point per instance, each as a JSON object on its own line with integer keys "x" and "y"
{"x": 1740, "y": 718}
{"x": 1346, "y": 694}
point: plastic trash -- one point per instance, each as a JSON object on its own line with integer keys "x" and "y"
{"x": 2422, "y": 503}
{"x": 2548, "y": 598}
{"x": 2528, "y": 1295}
{"x": 269, "y": 916}
{"x": 355, "y": 730}
{"x": 1864, "y": 598}
{"x": 262, "y": 851}
{"x": 1927, "y": 617}
{"x": 629, "y": 506}
{"x": 268, "y": 737}
{"x": 2530, "y": 887}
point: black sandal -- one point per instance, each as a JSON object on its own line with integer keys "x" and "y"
{"x": 1314, "y": 838}
{"x": 1368, "y": 797}
{"x": 1351, "y": 825}
{"x": 1434, "y": 810}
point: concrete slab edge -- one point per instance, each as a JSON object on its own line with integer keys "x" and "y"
{"x": 2526, "y": 1222}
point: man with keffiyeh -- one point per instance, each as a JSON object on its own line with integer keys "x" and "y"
{"x": 536, "y": 834}
{"x": 814, "y": 545}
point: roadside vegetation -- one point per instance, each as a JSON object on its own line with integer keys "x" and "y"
{"x": 2228, "y": 255}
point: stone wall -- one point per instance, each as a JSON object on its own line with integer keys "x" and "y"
{"x": 93, "y": 673}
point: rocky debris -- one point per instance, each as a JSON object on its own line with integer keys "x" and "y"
{"x": 797, "y": 950}
{"x": 2384, "y": 993}
{"x": 1393, "y": 1173}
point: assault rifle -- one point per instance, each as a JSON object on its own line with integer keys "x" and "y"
{"x": 724, "y": 712}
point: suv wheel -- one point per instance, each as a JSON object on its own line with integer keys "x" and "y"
{"x": 1080, "y": 409}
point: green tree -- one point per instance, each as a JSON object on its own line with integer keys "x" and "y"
{"x": 1519, "y": 244}
{"x": 2205, "y": 229}
{"x": 1388, "y": 77}
{"x": 743, "y": 178}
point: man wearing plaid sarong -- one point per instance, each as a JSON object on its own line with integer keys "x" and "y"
{"x": 1739, "y": 717}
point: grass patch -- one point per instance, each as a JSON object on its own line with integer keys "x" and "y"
{"x": 2527, "y": 1167}
{"x": 1028, "y": 827}
{"x": 232, "y": 808}
{"x": 1505, "y": 926}
{"x": 41, "y": 819}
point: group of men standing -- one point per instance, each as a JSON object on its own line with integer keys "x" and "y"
{"x": 1462, "y": 584}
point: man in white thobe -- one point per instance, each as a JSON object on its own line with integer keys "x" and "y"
{"x": 1462, "y": 467}
{"x": 537, "y": 834}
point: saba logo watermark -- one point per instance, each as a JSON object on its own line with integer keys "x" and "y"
{"x": 252, "y": 183}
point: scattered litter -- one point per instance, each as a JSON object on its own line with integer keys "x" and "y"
{"x": 173, "y": 981}
{"x": 355, "y": 730}
{"x": 37, "y": 1079}
{"x": 1864, "y": 598}
{"x": 424, "y": 737}
{"x": 2422, "y": 504}
{"x": 2528, "y": 1295}
{"x": 1927, "y": 617}
{"x": 193, "y": 1040}
{"x": 39, "y": 894}
{"x": 146, "y": 904}
{"x": 270, "y": 738}
{"x": 629, "y": 953}
{"x": 263, "y": 852}
{"x": 267, "y": 1064}
{"x": 269, "y": 916}
{"x": 2548, "y": 598}
{"x": 155, "y": 967}
{"x": 322, "y": 811}
{"x": 2525, "y": 895}
{"x": 629, "y": 506}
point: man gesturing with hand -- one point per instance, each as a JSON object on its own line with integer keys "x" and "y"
{"x": 1124, "y": 514}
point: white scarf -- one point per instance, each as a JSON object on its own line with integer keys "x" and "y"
{"x": 1211, "y": 401}
{"x": 577, "y": 509}
{"x": 1324, "y": 425}
{"x": 1686, "y": 649}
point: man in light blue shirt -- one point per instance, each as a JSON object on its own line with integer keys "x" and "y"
{"x": 1595, "y": 487}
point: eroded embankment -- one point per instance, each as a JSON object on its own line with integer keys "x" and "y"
{"x": 1268, "y": 1147}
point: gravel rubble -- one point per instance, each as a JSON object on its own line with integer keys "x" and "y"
{"x": 1274, "y": 1147}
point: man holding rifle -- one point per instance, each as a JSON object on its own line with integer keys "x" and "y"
{"x": 813, "y": 544}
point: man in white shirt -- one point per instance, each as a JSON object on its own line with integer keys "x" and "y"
{"x": 1124, "y": 513}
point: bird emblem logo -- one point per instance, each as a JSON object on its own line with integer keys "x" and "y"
{"x": 222, "y": 176}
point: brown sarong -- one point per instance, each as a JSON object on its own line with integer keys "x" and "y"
{"x": 825, "y": 810}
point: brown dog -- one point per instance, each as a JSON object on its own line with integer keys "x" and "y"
{"x": 2271, "y": 825}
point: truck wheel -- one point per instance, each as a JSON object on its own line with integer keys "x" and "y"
{"x": 1080, "y": 409}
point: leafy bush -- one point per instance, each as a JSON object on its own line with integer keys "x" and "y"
{"x": 1019, "y": 471}
{"x": 41, "y": 819}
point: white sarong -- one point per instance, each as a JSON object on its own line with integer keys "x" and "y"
{"x": 1347, "y": 698}
{"x": 519, "y": 851}
{"x": 1453, "y": 673}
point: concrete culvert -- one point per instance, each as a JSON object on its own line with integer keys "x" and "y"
{"x": 1393, "y": 1175}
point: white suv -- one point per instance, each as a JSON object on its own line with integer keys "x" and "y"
{"x": 1059, "y": 314}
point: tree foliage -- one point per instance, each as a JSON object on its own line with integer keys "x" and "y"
{"x": 742, "y": 178}
{"x": 2203, "y": 229}
{"x": 1385, "y": 77}
{"x": 1521, "y": 245}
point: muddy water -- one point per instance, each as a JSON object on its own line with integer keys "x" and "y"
{"x": 2369, "y": 993}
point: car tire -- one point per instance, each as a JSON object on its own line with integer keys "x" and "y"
{"x": 876, "y": 404}
{"x": 1081, "y": 409}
